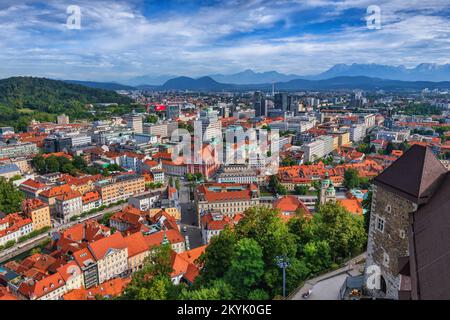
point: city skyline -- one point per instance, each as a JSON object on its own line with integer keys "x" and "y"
{"x": 124, "y": 39}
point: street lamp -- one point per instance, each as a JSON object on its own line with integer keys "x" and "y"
{"x": 283, "y": 263}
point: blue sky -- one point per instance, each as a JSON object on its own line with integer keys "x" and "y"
{"x": 119, "y": 40}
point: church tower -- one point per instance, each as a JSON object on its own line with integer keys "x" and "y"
{"x": 327, "y": 191}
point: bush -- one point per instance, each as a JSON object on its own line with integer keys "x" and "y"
{"x": 9, "y": 244}
{"x": 34, "y": 234}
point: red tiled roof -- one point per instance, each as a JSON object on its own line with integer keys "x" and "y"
{"x": 110, "y": 288}
{"x": 136, "y": 244}
{"x": 351, "y": 205}
{"x": 100, "y": 247}
{"x": 155, "y": 239}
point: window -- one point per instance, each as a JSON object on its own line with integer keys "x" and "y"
{"x": 402, "y": 234}
{"x": 380, "y": 224}
{"x": 388, "y": 208}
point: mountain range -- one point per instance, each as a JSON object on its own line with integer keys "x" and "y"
{"x": 422, "y": 72}
{"x": 207, "y": 84}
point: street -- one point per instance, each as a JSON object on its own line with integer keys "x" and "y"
{"x": 189, "y": 217}
{"x": 327, "y": 286}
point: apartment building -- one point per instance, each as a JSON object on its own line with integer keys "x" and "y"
{"x": 20, "y": 149}
{"x": 31, "y": 188}
{"x": 38, "y": 211}
{"x": 171, "y": 236}
{"x": 91, "y": 200}
{"x": 313, "y": 150}
{"x": 145, "y": 201}
{"x": 357, "y": 132}
{"x": 68, "y": 205}
{"x": 137, "y": 251}
{"x": 88, "y": 265}
{"x": 111, "y": 254}
{"x": 49, "y": 196}
{"x": 212, "y": 224}
{"x": 13, "y": 226}
{"x": 120, "y": 188}
{"x": 226, "y": 198}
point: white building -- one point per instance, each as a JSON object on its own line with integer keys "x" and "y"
{"x": 68, "y": 205}
{"x": 111, "y": 254}
{"x": 313, "y": 150}
{"x": 357, "y": 132}
{"x": 211, "y": 125}
{"x": 145, "y": 201}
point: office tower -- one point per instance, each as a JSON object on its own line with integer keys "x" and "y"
{"x": 211, "y": 125}
{"x": 134, "y": 121}
{"x": 259, "y": 104}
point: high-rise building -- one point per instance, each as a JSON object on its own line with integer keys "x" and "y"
{"x": 211, "y": 125}
{"x": 134, "y": 121}
{"x": 281, "y": 101}
{"x": 259, "y": 104}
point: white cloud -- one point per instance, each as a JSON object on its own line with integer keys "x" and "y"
{"x": 118, "y": 41}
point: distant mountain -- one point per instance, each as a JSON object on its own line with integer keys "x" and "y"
{"x": 422, "y": 72}
{"x": 337, "y": 83}
{"x": 149, "y": 80}
{"x": 102, "y": 85}
{"x": 251, "y": 77}
{"x": 200, "y": 84}
{"x": 360, "y": 82}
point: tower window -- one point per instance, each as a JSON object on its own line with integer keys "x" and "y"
{"x": 380, "y": 224}
{"x": 388, "y": 208}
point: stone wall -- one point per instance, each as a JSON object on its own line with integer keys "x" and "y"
{"x": 385, "y": 247}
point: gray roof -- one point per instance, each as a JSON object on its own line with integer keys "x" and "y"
{"x": 414, "y": 175}
{"x": 7, "y": 168}
{"x": 430, "y": 246}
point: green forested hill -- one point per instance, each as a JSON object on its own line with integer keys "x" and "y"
{"x": 24, "y": 98}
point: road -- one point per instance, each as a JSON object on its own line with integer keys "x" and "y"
{"x": 189, "y": 218}
{"x": 31, "y": 243}
{"x": 327, "y": 286}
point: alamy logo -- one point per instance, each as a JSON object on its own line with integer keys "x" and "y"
{"x": 258, "y": 148}
{"x": 373, "y": 18}
{"x": 373, "y": 281}
{"x": 74, "y": 18}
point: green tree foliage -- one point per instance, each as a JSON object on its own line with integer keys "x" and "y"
{"x": 317, "y": 255}
{"x": 26, "y": 98}
{"x": 10, "y": 197}
{"x": 301, "y": 190}
{"x": 389, "y": 147}
{"x": 275, "y": 186}
{"x": 246, "y": 268}
{"x": 241, "y": 262}
{"x": 62, "y": 164}
{"x": 351, "y": 178}
{"x": 343, "y": 231}
{"x": 153, "y": 118}
{"x": 153, "y": 281}
{"x": 216, "y": 258}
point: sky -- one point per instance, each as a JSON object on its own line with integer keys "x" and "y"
{"x": 119, "y": 40}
